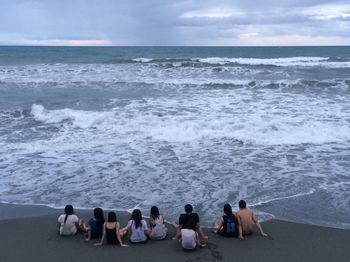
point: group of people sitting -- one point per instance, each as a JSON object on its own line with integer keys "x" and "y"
{"x": 188, "y": 230}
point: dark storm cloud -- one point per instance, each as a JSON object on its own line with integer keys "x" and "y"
{"x": 157, "y": 22}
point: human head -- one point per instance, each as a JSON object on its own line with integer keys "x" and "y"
{"x": 98, "y": 214}
{"x": 112, "y": 217}
{"x": 188, "y": 208}
{"x": 137, "y": 217}
{"x": 227, "y": 209}
{"x": 242, "y": 204}
{"x": 68, "y": 210}
{"x": 154, "y": 212}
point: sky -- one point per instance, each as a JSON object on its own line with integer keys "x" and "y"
{"x": 175, "y": 22}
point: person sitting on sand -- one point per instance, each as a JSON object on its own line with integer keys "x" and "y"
{"x": 156, "y": 223}
{"x": 137, "y": 228}
{"x": 227, "y": 225}
{"x": 246, "y": 218}
{"x": 111, "y": 232}
{"x": 188, "y": 229}
{"x": 94, "y": 228}
{"x": 68, "y": 223}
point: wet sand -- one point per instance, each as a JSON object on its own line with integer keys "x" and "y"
{"x": 29, "y": 233}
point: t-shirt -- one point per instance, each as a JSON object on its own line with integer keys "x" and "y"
{"x": 189, "y": 221}
{"x": 137, "y": 234}
{"x": 68, "y": 228}
{"x": 96, "y": 228}
{"x": 188, "y": 238}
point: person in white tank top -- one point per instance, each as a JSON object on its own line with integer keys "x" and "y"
{"x": 157, "y": 226}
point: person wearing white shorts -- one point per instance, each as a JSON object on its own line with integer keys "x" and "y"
{"x": 189, "y": 239}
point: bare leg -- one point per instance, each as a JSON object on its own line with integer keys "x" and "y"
{"x": 88, "y": 236}
{"x": 82, "y": 226}
{"x": 216, "y": 226}
{"x": 199, "y": 244}
{"x": 122, "y": 233}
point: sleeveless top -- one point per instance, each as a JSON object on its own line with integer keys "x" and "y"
{"x": 230, "y": 226}
{"x": 111, "y": 235}
{"x": 158, "y": 230}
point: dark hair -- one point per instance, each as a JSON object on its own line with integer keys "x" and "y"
{"x": 137, "y": 217}
{"x": 228, "y": 209}
{"x": 112, "y": 217}
{"x": 68, "y": 210}
{"x": 154, "y": 212}
{"x": 98, "y": 215}
{"x": 242, "y": 204}
{"x": 188, "y": 208}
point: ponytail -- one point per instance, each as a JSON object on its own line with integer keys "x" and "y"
{"x": 68, "y": 210}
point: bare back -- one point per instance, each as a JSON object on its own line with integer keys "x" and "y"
{"x": 246, "y": 218}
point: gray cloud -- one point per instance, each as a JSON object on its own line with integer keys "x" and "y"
{"x": 157, "y": 22}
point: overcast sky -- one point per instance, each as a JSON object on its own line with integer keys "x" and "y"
{"x": 175, "y": 22}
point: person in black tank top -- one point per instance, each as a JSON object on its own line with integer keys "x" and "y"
{"x": 227, "y": 226}
{"x": 111, "y": 232}
{"x": 111, "y": 235}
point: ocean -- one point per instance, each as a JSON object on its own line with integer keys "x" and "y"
{"x": 126, "y": 127}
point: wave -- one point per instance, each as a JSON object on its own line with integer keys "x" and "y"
{"x": 78, "y": 118}
{"x": 263, "y": 202}
{"x": 140, "y": 125}
{"x": 142, "y": 60}
{"x": 329, "y": 62}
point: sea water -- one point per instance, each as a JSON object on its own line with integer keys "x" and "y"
{"x": 126, "y": 127}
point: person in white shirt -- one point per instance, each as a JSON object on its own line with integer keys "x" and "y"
{"x": 137, "y": 228}
{"x": 68, "y": 223}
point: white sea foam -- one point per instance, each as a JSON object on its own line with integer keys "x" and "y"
{"x": 142, "y": 59}
{"x": 209, "y": 123}
{"x": 288, "y": 61}
{"x": 79, "y": 118}
{"x": 131, "y": 135}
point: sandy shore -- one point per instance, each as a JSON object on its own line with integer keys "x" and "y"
{"x": 28, "y": 233}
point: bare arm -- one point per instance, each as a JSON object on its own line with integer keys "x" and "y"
{"x": 119, "y": 236}
{"x": 151, "y": 222}
{"x": 177, "y": 228}
{"x": 240, "y": 231}
{"x": 218, "y": 225}
{"x": 147, "y": 231}
{"x": 258, "y": 225}
{"x": 200, "y": 232}
{"x": 161, "y": 219}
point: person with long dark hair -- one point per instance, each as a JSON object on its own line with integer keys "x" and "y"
{"x": 137, "y": 228}
{"x": 68, "y": 223}
{"x": 227, "y": 225}
{"x": 111, "y": 231}
{"x": 94, "y": 227}
{"x": 158, "y": 230}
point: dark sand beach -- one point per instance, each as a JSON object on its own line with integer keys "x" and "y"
{"x": 28, "y": 233}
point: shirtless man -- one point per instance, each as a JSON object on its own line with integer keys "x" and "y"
{"x": 246, "y": 218}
